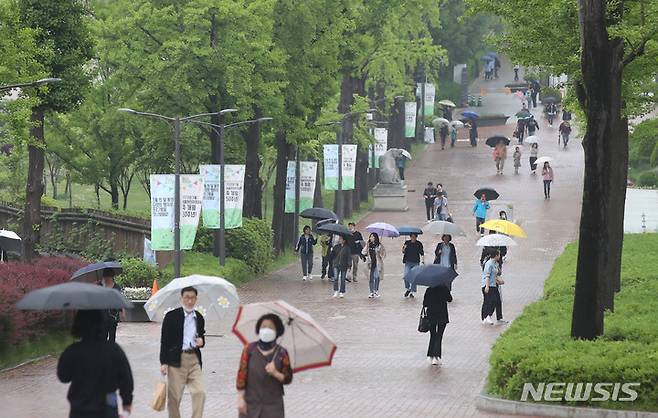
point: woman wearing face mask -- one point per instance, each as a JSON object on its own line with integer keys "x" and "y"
{"x": 264, "y": 369}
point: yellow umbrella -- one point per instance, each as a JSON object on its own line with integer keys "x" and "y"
{"x": 504, "y": 227}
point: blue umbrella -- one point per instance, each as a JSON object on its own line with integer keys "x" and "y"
{"x": 470, "y": 114}
{"x": 431, "y": 275}
{"x": 486, "y": 58}
{"x": 408, "y": 230}
{"x": 94, "y": 272}
{"x": 492, "y": 54}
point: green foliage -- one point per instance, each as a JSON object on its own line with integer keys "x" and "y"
{"x": 643, "y": 142}
{"x": 537, "y": 346}
{"x": 136, "y": 273}
{"x": 235, "y": 271}
{"x": 450, "y": 90}
{"x": 551, "y": 92}
{"x": 648, "y": 179}
{"x": 52, "y": 342}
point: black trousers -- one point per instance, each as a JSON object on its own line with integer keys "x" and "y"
{"x": 112, "y": 332}
{"x": 490, "y": 301}
{"x": 401, "y": 171}
{"x": 436, "y": 337}
{"x": 499, "y": 305}
{"x": 326, "y": 267}
{"x": 429, "y": 208}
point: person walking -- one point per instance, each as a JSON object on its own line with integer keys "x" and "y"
{"x": 443, "y": 133}
{"x": 565, "y": 131}
{"x": 112, "y": 316}
{"x": 547, "y": 175}
{"x": 430, "y": 195}
{"x": 473, "y": 132}
{"x": 413, "y": 255}
{"x": 532, "y": 126}
{"x": 551, "y": 111}
{"x": 453, "y": 135}
{"x": 517, "y": 67}
{"x": 342, "y": 261}
{"x": 183, "y": 336}
{"x": 566, "y": 115}
{"x": 375, "y": 253}
{"x": 534, "y": 152}
{"x": 441, "y": 207}
{"x": 326, "y": 245}
{"x": 517, "y": 160}
{"x": 496, "y": 67}
{"x": 435, "y": 303}
{"x": 500, "y": 155}
{"x": 480, "y": 208}
{"x": 96, "y": 369}
{"x": 520, "y": 130}
{"x": 304, "y": 247}
{"x": 536, "y": 88}
{"x": 490, "y": 282}
{"x": 356, "y": 245}
{"x": 445, "y": 252}
{"x": 401, "y": 161}
{"x": 528, "y": 98}
{"x": 264, "y": 370}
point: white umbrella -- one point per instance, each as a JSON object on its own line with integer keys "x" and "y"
{"x": 541, "y": 160}
{"x": 307, "y": 343}
{"x": 457, "y": 124}
{"x": 437, "y": 122}
{"x": 448, "y": 103}
{"x": 9, "y": 241}
{"x": 532, "y": 139}
{"x": 443, "y": 227}
{"x": 406, "y": 154}
{"x": 496, "y": 240}
{"x": 217, "y": 298}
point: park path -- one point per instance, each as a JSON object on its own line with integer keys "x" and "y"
{"x": 380, "y": 368}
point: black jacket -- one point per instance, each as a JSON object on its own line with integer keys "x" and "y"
{"x": 436, "y": 300}
{"x": 453, "y": 254}
{"x": 305, "y": 244}
{"x": 171, "y": 341}
{"x": 342, "y": 257}
{"x": 355, "y": 247}
{"x": 95, "y": 368}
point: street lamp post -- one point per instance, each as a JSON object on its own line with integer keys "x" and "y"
{"x": 176, "y": 121}
{"x": 36, "y": 83}
{"x": 220, "y": 129}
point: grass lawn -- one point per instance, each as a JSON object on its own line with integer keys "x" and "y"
{"x": 537, "y": 346}
{"x": 51, "y": 343}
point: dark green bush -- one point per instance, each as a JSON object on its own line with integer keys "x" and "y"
{"x": 235, "y": 271}
{"x": 537, "y": 346}
{"x": 449, "y": 90}
{"x": 136, "y": 273}
{"x": 648, "y": 179}
{"x": 551, "y": 92}
{"x": 203, "y": 242}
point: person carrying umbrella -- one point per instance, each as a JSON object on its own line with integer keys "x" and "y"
{"x": 96, "y": 369}
{"x": 375, "y": 253}
{"x": 264, "y": 370}
{"x": 441, "y": 207}
{"x": 400, "y": 162}
{"x": 551, "y": 111}
{"x": 445, "y": 253}
{"x": 500, "y": 155}
{"x": 490, "y": 281}
{"x": 473, "y": 132}
{"x": 534, "y": 152}
{"x": 520, "y": 129}
{"x": 547, "y": 176}
{"x": 342, "y": 262}
{"x": 435, "y": 303}
{"x": 305, "y": 249}
{"x": 517, "y": 160}
{"x": 112, "y": 316}
{"x": 532, "y": 126}
{"x": 453, "y": 135}
{"x": 356, "y": 244}
{"x": 429, "y": 194}
{"x": 325, "y": 244}
{"x": 443, "y": 133}
{"x": 413, "y": 255}
{"x": 480, "y": 208}
{"x": 565, "y": 131}
{"x": 517, "y": 67}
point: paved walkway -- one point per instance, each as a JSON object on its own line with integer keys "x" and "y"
{"x": 380, "y": 368}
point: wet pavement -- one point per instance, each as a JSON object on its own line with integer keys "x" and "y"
{"x": 380, "y": 368}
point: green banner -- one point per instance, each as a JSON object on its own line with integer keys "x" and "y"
{"x": 191, "y": 198}
{"x": 409, "y": 119}
{"x": 210, "y": 207}
{"x": 308, "y": 170}
{"x": 234, "y": 195}
{"x": 162, "y": 211}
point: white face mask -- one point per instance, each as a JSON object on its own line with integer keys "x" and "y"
{"x": 267, "y": 335}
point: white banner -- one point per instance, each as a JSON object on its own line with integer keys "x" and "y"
{"x": 380, "y": 145}
{"x": 233, "y": 195}
{"x": 191, "y": 197}
{"x": 429, "y": 135}
{"x": 409, "y": 119}
{"x": 162, "y": 211}
{"x": 430, "y": 93}
{"x": 307, "y": 169}
{"x": 210, "y": 212}
{"x": 331, "y": 166}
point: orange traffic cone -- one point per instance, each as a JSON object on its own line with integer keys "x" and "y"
{"x": 154, "y": 289}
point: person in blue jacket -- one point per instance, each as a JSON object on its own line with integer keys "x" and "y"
{"x": 305, "y": 249}
{"x": 480, "y": 211}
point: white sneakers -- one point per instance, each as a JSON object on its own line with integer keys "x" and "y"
{"x": 488, "y": 321}
{"x": 338, "y": 295}
{"x": 341, "y": 295}
{"x": 436, "y": 361}
{"x": 304, "y": 278}
{"x": 335, "y": 295}
{"x": 370, "y": 296}
{"x": 377, "y": 294}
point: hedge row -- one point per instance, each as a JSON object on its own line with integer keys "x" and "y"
{"x": 537, "y": 347}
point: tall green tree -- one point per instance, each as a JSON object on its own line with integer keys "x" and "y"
{"x": 64, "y": 47}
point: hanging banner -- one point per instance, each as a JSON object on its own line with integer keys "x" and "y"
{"x": 210, "y": 206}
{"x": 162, "y": 211}
{"x": 380, "y": 145}
{"x": 409, "y": 119}
{"x": 308, "y": 170}
{"x": 191, "y": 198}
{"x": 429, "y": 135}
{"x": 331, "y": 166}
{"x": 430, "y": 94}
{"x": 233, "y": 195}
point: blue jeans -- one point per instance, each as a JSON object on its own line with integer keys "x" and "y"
{"x": 407, "y": 269}
{"x": 339, "y": 280}
{"x": 373, "y": 284}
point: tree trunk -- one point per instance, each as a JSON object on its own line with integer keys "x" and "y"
{"x": 281, "y": 222}
{"x": 361, "y": 179}
{"x": 317, "y": 196}
{"x": 114, "y": 194}
{"x": 606, "y": 161}
{"x": 97, "y": 189}
{"x": 34, "y": 187}
{"x": 347, "y": 90}
{"x": 253, "y": 199}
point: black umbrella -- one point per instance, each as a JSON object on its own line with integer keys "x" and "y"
{"x": 332, "y": 228}
{"x": 318, "y": 213}
{"x": 408, "y": 230}
{"x": 9, "y": 241}
{"x": 94, "y": 272}
{"x": 323, "y": 222}
{"x": 492, "y": 141}
{"x": 523, "y": 114}
{"x": 431, "y": 275}
{"x": 489, "y": 193}
{"x": 549, "y": 99}
{"x": 73, "y": 295}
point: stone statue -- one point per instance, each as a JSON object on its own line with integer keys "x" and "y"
{"x": 388, "y": 171}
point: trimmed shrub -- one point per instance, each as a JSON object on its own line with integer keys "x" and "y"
{"x": 537, "y": 346}
{"x": 550, "y": 92}
{"x": 648, "y": 179}
{"x": 17, "y": 279}
{"x": 136, "y": 273}
{"x": 235, "y": 271}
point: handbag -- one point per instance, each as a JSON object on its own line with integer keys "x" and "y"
{"x": 159, "y": 400}
{"x": 424, "y": 322}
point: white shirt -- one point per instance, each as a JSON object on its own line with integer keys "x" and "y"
{"x": 189, "y": 330}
